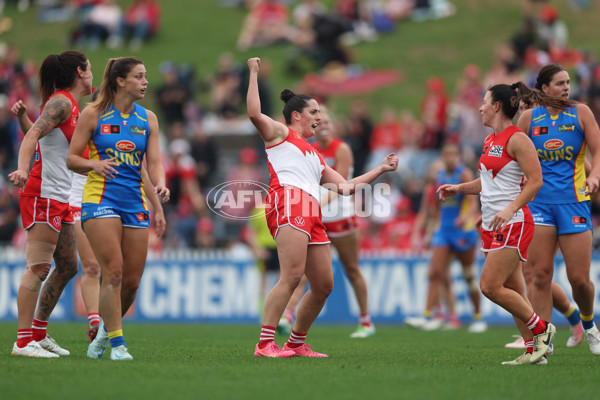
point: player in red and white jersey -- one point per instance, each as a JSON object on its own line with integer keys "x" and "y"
{"x": 294, "y": 213}
{"x": 44, "y": 199}
{"x": 339, "y": 218}
{"x": 507, "y": 226}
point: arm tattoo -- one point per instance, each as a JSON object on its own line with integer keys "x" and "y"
{"x": 56, "y": 111}
{"x": 66, "y": 267}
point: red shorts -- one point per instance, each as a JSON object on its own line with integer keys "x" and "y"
{"x": 289, "y": 205}
{"x": 342, "y": 227}
{"x": 75, "y": 213}
{"x": 515, "y": 236}
{"x": 39, "y": 210}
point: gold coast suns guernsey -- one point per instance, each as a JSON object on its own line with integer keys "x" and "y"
{"x": 560, "y": 144}
{"x": 124, "y": 137}
{"x": 50, "y": 178}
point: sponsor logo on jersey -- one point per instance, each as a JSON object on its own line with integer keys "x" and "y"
{"x": 142, "y": 216}
{"x": 125, "y": 145}
{"x": 496, "y": 151}
{"x": 299, "y": 221}
{"x": 499, "y": 237}
{"x": 579, "y": 220}
{"x": 56, "y": 221}
{"x": 110, "y": 129}
{"x": 553, "y": 123}
{"x": 37, "y": 156}
{"x": 539, "y": 130}
{"x": 566, "y": 128}
{"x": 138, "y": 130}
{"x": 553, "y": 144}
{"x": 74, "y": 120}
{"x": 124, "y": 122}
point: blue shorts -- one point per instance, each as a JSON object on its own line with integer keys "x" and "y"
{"x": 128, "y": 219}
{"x": 458, "y": 240}
{"x": 567, "y": 218}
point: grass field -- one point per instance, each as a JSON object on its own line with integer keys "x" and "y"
{"x": 216, "y": 362}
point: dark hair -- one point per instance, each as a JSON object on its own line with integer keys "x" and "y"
{"x": 508, "y": 98}
{"x": 545, "y": 75}
{"x": 57, "y": 71}
{"x": 293, "y": 102}
{"x": 535, "y": 97}
{"x": 116, "y": 68}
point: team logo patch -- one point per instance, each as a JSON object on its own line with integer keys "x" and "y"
{"x": 499, "y": 237}
{"x": 142, "y": 216}
{"x": 553, "y": 144}
{"x": 299, "y": 221}
{"x": 539, "y": 130}
{"x": 579, "y": 220}
{"x": 110, "y": 129}
{"x": 566, "y": 128}
{"x": 138, "y": 130}
{"x": 496, "y": 151}
{"x": 124, "y": 122}
{"x": 125, "y": 145}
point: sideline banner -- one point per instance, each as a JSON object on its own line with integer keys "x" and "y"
{"x": 221, "y": 289}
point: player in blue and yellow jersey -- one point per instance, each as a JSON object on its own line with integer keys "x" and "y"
{"x": 120, "y": 135}
{"x": 562, "y": 133}
{"x": 455, "y": 236}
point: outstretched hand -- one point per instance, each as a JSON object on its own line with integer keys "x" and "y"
{"x": 446, "y": 191}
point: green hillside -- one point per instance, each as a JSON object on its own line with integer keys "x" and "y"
{"x": 196, "y": 32}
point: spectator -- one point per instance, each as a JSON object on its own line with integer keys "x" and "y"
{"x": 141, "y": 22}
{"x": 172, "y": 94}
{"x": 205, "y": 236}
{"x": 360, "y": 128}
{"x": 265, "y": 24}
{"x": 225, "y": 87}
{"x": 386, "y": 137}
{"x": 552, "y": 31}
{"x": 102, "y": 21}
{"x": 7, "y": 133}
{"x": 185, "y": 191}
{"x": 206, "y": 155}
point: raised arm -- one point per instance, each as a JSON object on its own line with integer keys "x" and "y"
{"x": 333, "y": 180}
{"x": 56, "y": 111}
{"x": 19, "y": 110}
{"x": 271, "y": 131}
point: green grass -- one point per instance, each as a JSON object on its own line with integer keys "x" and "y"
{"x": 197, "y": 32}
{"x": 216, "y": 362}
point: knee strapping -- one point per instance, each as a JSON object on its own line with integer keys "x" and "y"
{"x": 471, "y": 277}
{"x": 39, "y": 259}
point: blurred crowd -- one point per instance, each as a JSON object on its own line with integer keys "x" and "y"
{"x": 208, "y": 143}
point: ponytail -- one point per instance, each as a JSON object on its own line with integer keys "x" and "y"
{"x": 58, "y": 72}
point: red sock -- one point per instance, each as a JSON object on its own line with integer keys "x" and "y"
{"x": 535, "y": 324}
{"x": 94, "y": 318}
{"x": 365, "y": 319}
{"x": 39, "y": 329}
{"x": 267, "y": 334}
{"x": 529, "y": 346}
{"x": 296, "y": 339}
{"x": 24, "y": 336}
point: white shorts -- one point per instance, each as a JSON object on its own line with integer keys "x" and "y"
{"x": 77, "y": 184}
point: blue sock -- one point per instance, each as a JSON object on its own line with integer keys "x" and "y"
{"x": 573, "y": 315}
{"x": 587, "y": 321}
{"x": 116, "y": 338}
